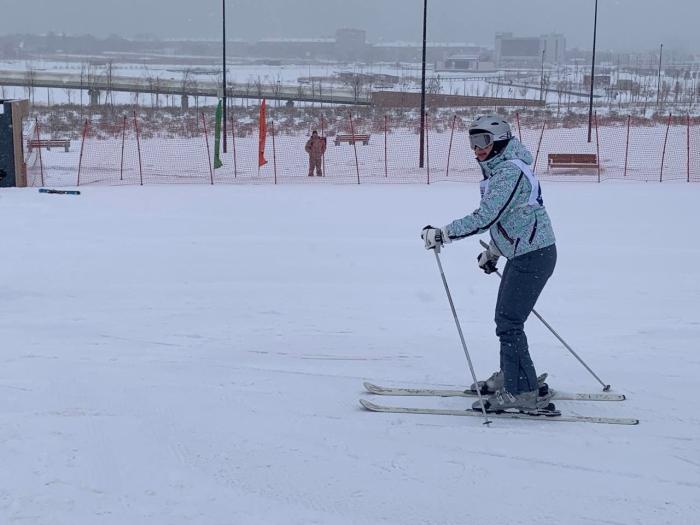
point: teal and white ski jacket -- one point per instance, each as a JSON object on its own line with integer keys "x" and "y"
{"x": 511, "y": 206}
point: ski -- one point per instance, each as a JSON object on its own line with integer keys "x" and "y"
{"x": 59, "y": 192}
{"x": 373, "y": 407}
{"x": 437, "y": 392}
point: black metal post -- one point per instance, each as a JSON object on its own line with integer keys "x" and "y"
{"x": 590, "y": 104}
{"x": 658, "y": 82}
{"x": 223, "y": 17}
{"x": 542, "y": 78}
{"x": 422, "y": 88}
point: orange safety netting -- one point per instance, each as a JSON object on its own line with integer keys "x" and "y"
{"x": 360, "y": 149}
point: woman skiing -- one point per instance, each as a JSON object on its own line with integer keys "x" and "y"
{"x": 512, "y": 211}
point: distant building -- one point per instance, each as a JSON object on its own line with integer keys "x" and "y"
{"x": 601, "y": 81}
{"x": 626, "y": 84}
{"x": 554, "y": 46}
{"x": 529, "y": 51}
{"x": 462, "y": 63}
{"x": 413, "y": 51}
{"x": 348, "y": 45}
{"x": 307, "y": 48}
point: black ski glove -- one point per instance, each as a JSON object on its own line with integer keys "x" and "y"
{"x": 487, "y": 262}
{"x": 488, "y": 258}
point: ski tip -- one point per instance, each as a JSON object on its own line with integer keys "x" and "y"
{"x": 370, "y": 387}
{"x": 369, "y": 405}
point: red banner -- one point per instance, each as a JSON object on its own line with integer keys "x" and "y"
{"x": 262, "y": 135}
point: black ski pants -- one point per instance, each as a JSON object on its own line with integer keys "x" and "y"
{"x": 523, "y": 279}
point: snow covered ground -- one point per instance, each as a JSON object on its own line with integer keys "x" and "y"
{"x": 469, "y": 83}
{"x": 194, "y": 355}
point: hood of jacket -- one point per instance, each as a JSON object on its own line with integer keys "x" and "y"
{"x": 514, "y": 150}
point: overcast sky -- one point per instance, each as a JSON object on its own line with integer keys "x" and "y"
{"x": 622, "y": 24}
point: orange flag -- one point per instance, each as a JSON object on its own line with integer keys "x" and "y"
{"x": 262, "y": 135}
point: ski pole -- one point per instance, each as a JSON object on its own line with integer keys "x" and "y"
{"x": 461, "y": 335}
{"x": 606, "y": 388}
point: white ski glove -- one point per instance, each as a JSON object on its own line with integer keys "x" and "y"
{"x": 488, "y": 258}
{"x": 434, "y": 238}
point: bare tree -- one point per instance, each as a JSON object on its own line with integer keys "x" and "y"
{"x": 560, "y": 92}
{"x": 276, "y": 88}
{"x": 83, "y": 68}
{"x": 154, "y": 89}
{"x": 677, "y": 91}
{"x": 108, "y": 74}
{"x": 92, "y": 81}
{"x": 259, "y": 87}
{"x": 356, "y": 83}
{"x": 30, "y": 76}
{"x": 187, "y": 82}
{"x": 434, "y": 86}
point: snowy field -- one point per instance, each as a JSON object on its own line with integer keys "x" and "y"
{"x": 468, "y": 83}
{"x": 195, "y": 355}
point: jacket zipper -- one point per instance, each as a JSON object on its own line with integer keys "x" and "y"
{"x": 503, "y": 232}
{"x": 534, "y": 230}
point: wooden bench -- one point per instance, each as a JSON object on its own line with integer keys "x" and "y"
{"x": 351, "y": 139}
{"x": 48, "y": 144}
{"x": 572, "y": 160}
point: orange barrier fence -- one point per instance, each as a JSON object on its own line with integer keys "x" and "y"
{"x": 359, "y": 150}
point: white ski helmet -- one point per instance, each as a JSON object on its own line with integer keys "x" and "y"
{"x": 487, "y": 129}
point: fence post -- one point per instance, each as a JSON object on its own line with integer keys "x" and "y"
{"x": 121, "y": 165}
{"x": 354, "y": 145}
{"x": 323, "y": 136}
{"x": 663, "y": 153}
{"x": 627, "y": 145}
{"x": 449, "y": 149}
{"x": 534, "y": 166}
{"x": 138, "y": 147}
{"x": 597, "y": 143}
{"x": 386, "y": 168}
{"x": 233, "y": 143}
{"x": 274, "y": 150}
{"x": 41, "y": 161}
{"x": 82, "y": 146}
{"x": 206, "y": 142}
{"x": 427, "y": 144}
{"x": 517, "y": 119}
{"x": 688, "y": 156}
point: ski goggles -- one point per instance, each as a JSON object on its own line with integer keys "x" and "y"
{"x": 480, "y": 140}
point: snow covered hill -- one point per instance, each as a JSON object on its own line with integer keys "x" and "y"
{"x": 195, "y": 355}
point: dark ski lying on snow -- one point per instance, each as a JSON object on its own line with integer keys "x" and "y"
{"x": 505, "y": 415}
{"x": 59, "y": 192}
{"x": 437, "y": 392}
